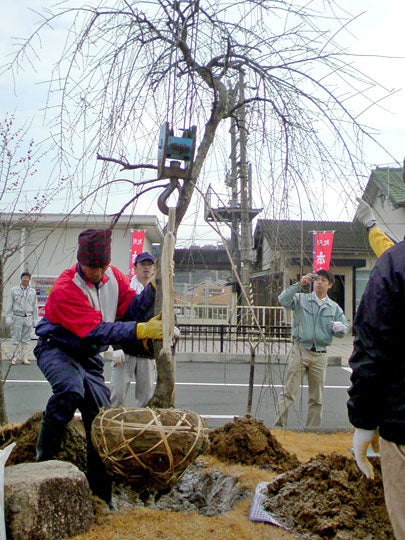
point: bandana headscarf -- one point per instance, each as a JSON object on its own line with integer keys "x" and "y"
{"x": 94, "y": 248}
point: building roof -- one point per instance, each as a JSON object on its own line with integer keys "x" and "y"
{"x": 197, "y": 258}
{"x": 388, "y": 180}
{"x": 295, "y": 236}
{"x": 148, "y": 223}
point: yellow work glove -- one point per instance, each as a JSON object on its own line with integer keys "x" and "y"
{"x": 151, "y": 329}
{"x": 362, "y": 439}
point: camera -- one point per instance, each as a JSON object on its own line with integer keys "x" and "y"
{"x": 313, "y": 276}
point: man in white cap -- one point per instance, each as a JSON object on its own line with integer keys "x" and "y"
{"x": 136, "y": 360}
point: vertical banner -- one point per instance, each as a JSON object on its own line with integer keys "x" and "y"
{"x": 322, "y": 249}
{"x": 137, "y": 240}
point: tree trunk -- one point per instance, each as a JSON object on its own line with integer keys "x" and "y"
{"x": 165, "y": 363}
{"x": 3, "y": 413}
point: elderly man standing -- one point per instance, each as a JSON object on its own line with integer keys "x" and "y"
{"x": 21, "y": 317}
{"x": 79, "y": 323}
{"x": 136, "y": 361}
{"x": 316, "y": 320}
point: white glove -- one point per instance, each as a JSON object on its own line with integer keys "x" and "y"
{"x": 176, "y": 334}
{"x": 338, "y": 326}
{"x": 365, "y": 214}
{"x": 8, "y": 321}
{"x": 362, "y": 439}
{"x": 118, "y": 358}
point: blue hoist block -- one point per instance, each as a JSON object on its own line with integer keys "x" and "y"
{"x": 179, "y": 150}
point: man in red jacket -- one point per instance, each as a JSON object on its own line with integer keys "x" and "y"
{"x": 80, "y": 322}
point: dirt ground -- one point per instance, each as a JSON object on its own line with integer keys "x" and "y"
{"x": 325, "y": 497}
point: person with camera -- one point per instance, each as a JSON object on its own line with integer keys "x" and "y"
{"x": 317, "y": 319}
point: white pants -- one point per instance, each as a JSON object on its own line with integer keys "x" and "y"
{"x": 143, "y": 370}
{"x": 314, "y": 366}
{"x": 21, "y": 328}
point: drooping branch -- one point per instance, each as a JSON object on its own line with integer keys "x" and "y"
{"x": 117, "y": 215}
{"x": 125, "y": 164}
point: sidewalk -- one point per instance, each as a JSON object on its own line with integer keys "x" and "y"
{"x": 342, "y": 348}
{"x": 338, "y": 353}
{"x": 7, "y": 349}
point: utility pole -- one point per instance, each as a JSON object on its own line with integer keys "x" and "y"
{"x": 239, "y": 212}
{"x": 232, "y": 183}
{"x": 245, "y": 198}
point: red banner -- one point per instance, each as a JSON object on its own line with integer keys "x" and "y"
{"x": 322, "y": 250}
{"x": 137, "y": 240}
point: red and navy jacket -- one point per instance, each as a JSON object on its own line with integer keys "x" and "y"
{"x": 80, "y": 316}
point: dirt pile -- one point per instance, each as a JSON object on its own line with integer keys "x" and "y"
{"x": 249, "y": 442}
{"x": 25, "y": 436}
{"x": 328, "y": 497}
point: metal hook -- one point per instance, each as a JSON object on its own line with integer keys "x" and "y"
{"x": 172, "y": 186}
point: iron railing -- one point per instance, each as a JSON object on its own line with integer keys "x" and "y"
{"x": 235, "y": 339}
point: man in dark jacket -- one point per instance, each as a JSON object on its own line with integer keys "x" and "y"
{"x": 79, "y": 323}
{"x": 377, "y": 396}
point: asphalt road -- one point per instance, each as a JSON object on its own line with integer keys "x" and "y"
{"x": 217, "y": 391}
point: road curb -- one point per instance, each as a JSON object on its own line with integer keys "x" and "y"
{"x": 243, "y": 358}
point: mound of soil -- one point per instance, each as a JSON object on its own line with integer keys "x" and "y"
{"x": 329, "y": 497}
{"x": 249, "y": 442}
{"x": 25, "y": 436}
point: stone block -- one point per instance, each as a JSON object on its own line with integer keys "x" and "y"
{"x": 46, "y": 501}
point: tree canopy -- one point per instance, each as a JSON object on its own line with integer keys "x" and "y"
{"x": 126, "y": 67}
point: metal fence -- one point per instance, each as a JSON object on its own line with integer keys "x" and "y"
{"x": 268, "y": 316}
{"x": 234, "y": 339}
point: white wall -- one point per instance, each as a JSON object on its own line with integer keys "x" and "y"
{"x": 391, "y": 220}
{"x": 48, "y": 252}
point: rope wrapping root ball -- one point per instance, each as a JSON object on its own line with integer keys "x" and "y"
{"x": 149, "y": 446}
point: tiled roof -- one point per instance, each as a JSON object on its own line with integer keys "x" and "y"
{"x": 350, "y": 237}
{"x": 390, "y": 181}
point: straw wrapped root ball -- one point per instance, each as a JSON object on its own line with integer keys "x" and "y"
{"x": 150, "y": 446}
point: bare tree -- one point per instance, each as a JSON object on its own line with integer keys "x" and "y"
{"x": 19, "y": 160}
{"x": 127, "y": 67}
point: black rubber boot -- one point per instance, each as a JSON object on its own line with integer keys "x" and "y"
{"x": 99, "y": 481}
{"x": 49, "y": 438}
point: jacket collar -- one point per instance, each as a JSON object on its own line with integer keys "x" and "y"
{"x": 104, "y": 279}
{"x": 314, "y": 299}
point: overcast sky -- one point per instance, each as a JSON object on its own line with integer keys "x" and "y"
{"x": 377, "y": 32}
